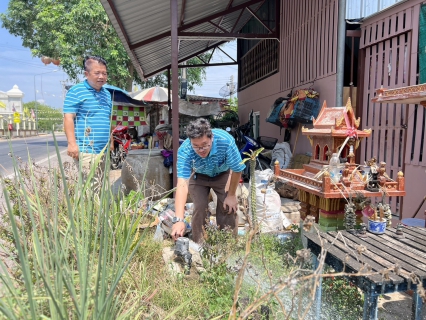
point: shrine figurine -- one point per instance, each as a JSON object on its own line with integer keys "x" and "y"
{"x": 373, "y": 183}
{"x": 388, "y": 214}
{"x": 383, "y": 176}
{"x": 399, "y": 233}
{"x": 362, "y": 230}
{"x": 372, "y": 163}
{"x": 350, "y": 216}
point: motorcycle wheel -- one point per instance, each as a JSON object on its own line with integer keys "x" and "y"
{"x": 115, "y": 158}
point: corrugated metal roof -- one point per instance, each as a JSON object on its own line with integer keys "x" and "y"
{"x": 192, "y": 97}
{"x": 363, "y": 8}
{"x": 144, "y": 26}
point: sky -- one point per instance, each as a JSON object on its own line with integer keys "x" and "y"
{"x": 44, "y": 83}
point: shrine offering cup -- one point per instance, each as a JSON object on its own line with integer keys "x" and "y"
{"x": 378, "y": 227}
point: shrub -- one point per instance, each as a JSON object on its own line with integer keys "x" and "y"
{"x": 68, "y": 246}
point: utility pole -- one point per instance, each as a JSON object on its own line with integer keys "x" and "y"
{"x": 183, "y": 83}
{"x": 231, "y": 88}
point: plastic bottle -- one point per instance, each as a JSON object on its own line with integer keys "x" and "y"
{"x": 334, "y": 167}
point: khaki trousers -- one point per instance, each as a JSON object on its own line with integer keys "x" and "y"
{"x": 86, "y": 160}
{"x": 199, "y": 189}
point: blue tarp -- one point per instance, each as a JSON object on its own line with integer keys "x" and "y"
{"x": 121, "y": 97}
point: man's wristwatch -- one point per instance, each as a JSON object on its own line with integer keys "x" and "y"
{"x": 176, "y": 219}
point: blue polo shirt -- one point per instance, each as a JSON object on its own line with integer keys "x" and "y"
{"x": 93, "y": 116}
{"x": 224, "y": 155}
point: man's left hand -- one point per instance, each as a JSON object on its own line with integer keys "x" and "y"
{"x": 232, "y": 203}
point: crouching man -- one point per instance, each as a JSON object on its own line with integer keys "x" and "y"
{"x": 206, "y": 160}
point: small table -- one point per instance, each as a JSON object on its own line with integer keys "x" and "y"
{"x": 383, "y": 252}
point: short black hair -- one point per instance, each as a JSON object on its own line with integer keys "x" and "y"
{"x": 86, "y": 63}
{"x": 199, "y": 128}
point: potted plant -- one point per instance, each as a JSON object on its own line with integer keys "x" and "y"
{"x": 377, "y": 223}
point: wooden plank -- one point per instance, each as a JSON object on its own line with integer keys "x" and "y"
{"x": 362, "y": 39}
{"x": 312, "y": 41}
{"x": 302, "y": 46}
{"x": 309, "y": 52}
{"x": 393, "y": 25}
{"x": 413, "y": 248}
{"x": 386, "y": 29}
{"x": 376, "y": 264}
{"x": 401, "y": 79}
{"x": 329, "y": 34}
{"x": 423, "y": 129}
{"x": 408, "y": 234}
{"x": 417, "y": 137}
{"x": 413, "y": 46}
{"x": 379, "y": 29}
{"x": 318, "y": 40}
{"x": 353, "y": 241}
{"x": 323, "y": 42}
{"x": 417, "y": 233}
{"x": 405, "y": 249}
{"x": 341, "y": 256}
{"x": 395, "y": 255}
{"x": 326, "y": 32}
{"x": 392, "y": 82}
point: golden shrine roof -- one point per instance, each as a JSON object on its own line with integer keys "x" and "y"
{"x": 336, "y": 122}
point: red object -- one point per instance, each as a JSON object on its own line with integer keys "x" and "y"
{"x": 368, "y": 211}
{"x": 122, "y": 141}
{"x": 10, "y": 127}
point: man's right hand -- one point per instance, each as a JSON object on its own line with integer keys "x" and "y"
{"x": 73, "y": 151}
{"x": 178, "y": 230}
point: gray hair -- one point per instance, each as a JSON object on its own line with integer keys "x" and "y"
{"x": 90, "y": 59}
{"x": 199, "y": 128}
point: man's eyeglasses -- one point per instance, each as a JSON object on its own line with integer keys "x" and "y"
{"x": 201, "y": 148}
{"x": 98, "y": 74}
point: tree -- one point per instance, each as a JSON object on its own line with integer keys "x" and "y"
{"x": 47, "y": 116}
{"x": 233, "y": 104}
{"x": 71, "y": 29}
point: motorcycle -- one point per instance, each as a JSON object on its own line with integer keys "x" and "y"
{"x": 122, "y": 141}
{"x": 246, "y": 144}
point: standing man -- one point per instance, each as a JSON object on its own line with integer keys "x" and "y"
{"x": 87, "y": 113}
{"x": 204, "y": 161}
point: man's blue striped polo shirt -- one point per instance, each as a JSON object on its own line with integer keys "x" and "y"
{"x": 93, "y": 116}
{"x": 224, "y": 155}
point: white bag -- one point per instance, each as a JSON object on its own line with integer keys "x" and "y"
{"x": 268, "y": 203}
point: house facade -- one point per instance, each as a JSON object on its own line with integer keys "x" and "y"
{"x": 380, "y": 49}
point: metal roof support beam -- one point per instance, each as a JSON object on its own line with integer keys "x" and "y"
{"x": 218, "y": 27}
{"x": 175, "y": 97}
{"x": 260, "y": 20}
{"x": 238, "y": 20}
{"x": 207, "y": 65}
{"x": 204, "y": 35}
{"x": 201, "y": 59}
{"x": 182, "y": 14}
{"x": 212, "y": 54}
{"x": 184, "y": 59}
{"x": 195, "y": 23}
{"x": 221, "y": 19}
{"x": 227, "y": 55}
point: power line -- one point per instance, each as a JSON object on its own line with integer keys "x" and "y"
{"x": 23, "y": 62}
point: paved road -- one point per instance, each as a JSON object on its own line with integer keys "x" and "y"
{"x": 39, "y": 148}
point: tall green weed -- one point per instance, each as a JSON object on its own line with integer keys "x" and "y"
{"x": 68, "y": 245}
